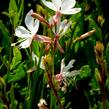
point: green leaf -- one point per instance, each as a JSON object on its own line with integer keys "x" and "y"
{"x": 107, "y": 82}
{"x": 14, "y": 102}
{"x": 6, "y": 39}
{"x": 94, "y": 85}
{"x": 17, "y": 74}
{"x": 21, "y": 11}
{"x": 1, "y": 106}
{"x": 53, "y": 101}
{"x": 85, "y": 72}
{"x": 36, "y": 48}
{"x": 12, "y": 7}
{"x": 93, "y": 25}
{"x": 79, "y": 29}
{"x": 16, "y": 13}
{"x": 17, "y": 58}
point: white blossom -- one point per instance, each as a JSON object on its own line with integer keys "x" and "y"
{"x": 62, "y": 27}
{"x": 42, "y": 102}
{"x": 28, "y": 34}
{"x": 62, "y": 6}
{"x": 65, "y": 71}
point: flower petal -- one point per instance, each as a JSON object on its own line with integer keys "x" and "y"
{"x": 26, "y": 43}
{"x": 20, "y": 31}
{"x": 35, "y": 57}
{"x": 29, "y": 21}
{"x": 50, "y": 5}
{"x": 62, "y": 25}
{"x": 66, "y": 27}
{"x": 62, "y": 65}
{"x": 69, "y": 66}
{"x": 42, "y": 63}
{"x": 67, "y": 4}
{"x": 72, "y": 73}
{"x": 35, "y": 27}
{"x": 57, "y": 3}
{"x": 71, "y": 11}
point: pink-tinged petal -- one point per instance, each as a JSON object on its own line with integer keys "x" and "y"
{"x": 59, "y": 47}
{"x": 67, "y": 4}
{"x": 57, "y": 3}
{"x": 49, "y": 5}
{"x": 42, "y": 38}
{"x": 59, "y": 77}
{"x": 71, "y": 11}
{"x": 29, "y": 21}
{"x": 21, "y": 32}
{"x": 26, "y": 43}
{"x": 56, "y": 17}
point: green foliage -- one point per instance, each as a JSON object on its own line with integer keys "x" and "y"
{"x": 93, "y": 25}
{"x": 17, "y": 58}
{"x": 17, "y": 74}
{"x": 53, "y": 103}
{"x": 85, "y": 72}
{"x": 14, "y": 102}
{"x": 1, "y": 106}
{"x": 5, "y": 38}
{"x": 22, "y": 80}
{"x": 15, "y": 12}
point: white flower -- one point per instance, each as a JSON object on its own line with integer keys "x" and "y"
{"x": 62, "y": 6}
{"x": 62, "y": 27}
{"x": 42, "y": 102}
{"x": 59, "y": 31}
{"x": 27, "y": 35}
{"x": 65, "y": 73}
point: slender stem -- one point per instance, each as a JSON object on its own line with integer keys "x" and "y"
{"x": 54, "y": 90}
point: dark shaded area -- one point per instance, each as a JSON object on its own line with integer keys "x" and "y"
{"x": 3, "y": 6}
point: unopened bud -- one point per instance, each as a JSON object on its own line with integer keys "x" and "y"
{"x": 99, "y": 48}
{"x": 85, "y": 35}
{"x": 40, "y": 18}
{"x": 100, "y": 20}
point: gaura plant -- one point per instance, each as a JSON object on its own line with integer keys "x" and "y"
{"x": 50, "y": 65}
{"x": 58, "y": 27}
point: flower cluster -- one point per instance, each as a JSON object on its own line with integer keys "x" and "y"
{"x": 58, "y": 28}
{"x": 65, "y": 72}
